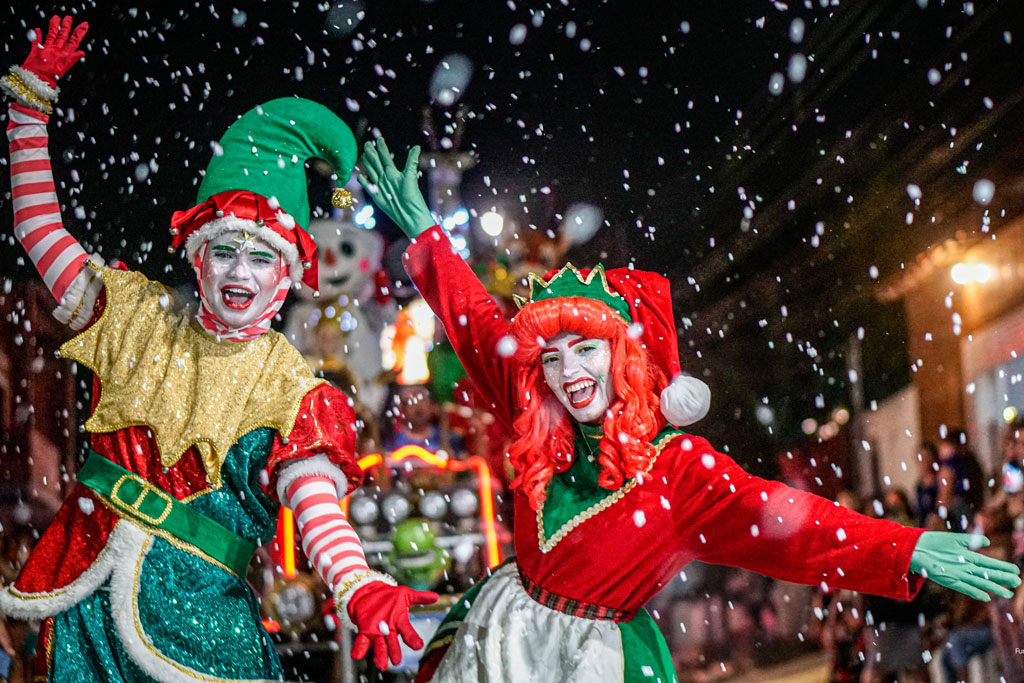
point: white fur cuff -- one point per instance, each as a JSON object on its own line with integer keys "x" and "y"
{"x": 42, "y": 88}
{"x": 344, "y": 591}
{"x": 318, "y": 464}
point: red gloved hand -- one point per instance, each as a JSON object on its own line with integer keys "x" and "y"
{"x": 381, "y": 611}
{"x": 51, "y": 59}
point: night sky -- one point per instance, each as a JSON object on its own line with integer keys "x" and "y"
{"x": 663, "y": 114}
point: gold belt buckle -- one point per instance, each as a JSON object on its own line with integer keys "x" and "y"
{"x": 133, "y": 507}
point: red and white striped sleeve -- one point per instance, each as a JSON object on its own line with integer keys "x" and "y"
{"x": 38, "y": 226}
{"x": 329, "y": 541}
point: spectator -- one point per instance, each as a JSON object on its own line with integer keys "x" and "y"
{"x": 995, "y": 522}
{"x": 897, "y": 507}
{"x": 927, "y": 489}
{"x": 892, "y": 628}
{"x": 416, "y": 420}
{"x": 970, "y": 636}
{"x": 961, "y": 484}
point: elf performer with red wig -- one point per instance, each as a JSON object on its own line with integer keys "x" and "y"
{"x": 205, "y": 421}
{"x": 611, "y": 497}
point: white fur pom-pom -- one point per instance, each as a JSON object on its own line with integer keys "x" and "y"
{"x": 685, "y": 401}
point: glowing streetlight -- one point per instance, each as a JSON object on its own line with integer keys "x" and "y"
{"x": 492, "y": 223}
{"x": 966, "y": 273}
{"x": 982, "y": 272}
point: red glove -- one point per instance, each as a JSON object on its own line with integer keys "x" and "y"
{"x": 51, "y": 59}
{"x": 381, "y": 611}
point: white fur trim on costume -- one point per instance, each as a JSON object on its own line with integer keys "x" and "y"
{"x": 685, "y": 401}
{"x": 318, "y": 464}
{"x": 42, "y": 88}
{"x": 341, "y": 602}
{"x": 120, "y": 545}
{"x": 75, "y": 308}
{"x": 229, "y": 222}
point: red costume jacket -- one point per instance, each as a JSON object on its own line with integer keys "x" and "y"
{"x": 694, "y": 503}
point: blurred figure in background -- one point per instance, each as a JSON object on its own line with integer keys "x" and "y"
{"x": 416, "y": 419}
{"x": 892, "y": 635}
{"x": 926, "y": 491}
{"x": 961, "y": 482}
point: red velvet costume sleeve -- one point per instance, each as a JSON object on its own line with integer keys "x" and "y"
{"x": 471, "y": 318}
{"x": 727, "y": 516}
{"x": 325, "y": 424}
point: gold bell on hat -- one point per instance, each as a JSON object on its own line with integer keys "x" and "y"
{"x": 342, "y": 198}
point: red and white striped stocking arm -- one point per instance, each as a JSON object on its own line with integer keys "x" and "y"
{"x": 329, "y": 541}
{"x": 367, "y": 601}
{"x": 37, "y": 222}
{"x": 38, "y": 226}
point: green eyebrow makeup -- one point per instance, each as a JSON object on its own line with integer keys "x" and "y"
{"x": 224, "y": 247}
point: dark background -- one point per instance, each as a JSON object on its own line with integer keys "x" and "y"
{"x": 674, "y": 95}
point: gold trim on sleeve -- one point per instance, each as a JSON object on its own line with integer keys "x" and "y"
{"x": 547, "y": 544}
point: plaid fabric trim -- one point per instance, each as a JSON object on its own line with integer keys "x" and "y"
{"x": 574, "y": 608}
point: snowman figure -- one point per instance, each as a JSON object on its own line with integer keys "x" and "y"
{"x": 340, "y": 330}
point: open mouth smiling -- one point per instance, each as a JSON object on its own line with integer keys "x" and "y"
{"x": 237, "y": 297}
{"x": 580, "y": 392}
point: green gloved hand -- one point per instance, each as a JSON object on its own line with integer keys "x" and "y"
{"x": 946, "y": 559}
{"x": 396, "y": 192}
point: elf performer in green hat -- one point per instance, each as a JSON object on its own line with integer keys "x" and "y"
{"x": 204, "y": 421}
{"x": 612, "y": 498}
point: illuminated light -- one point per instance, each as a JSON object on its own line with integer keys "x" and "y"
{"x": 287, "y": 543}
{"x": 271, "y": 626}
{"x": 364, "y": 217}
{"x": 961, "y": 273}
{"x": 485, "y": 492}
{"x": 982, "y": 272}
{"x": 828, "y": 430}
{"x": 461, "y": 217}
{"x": 809, "y": 426}
{"x": 841, "y": 416}
{"x": 458, "y": 241}
{"x": 1009, "y": 414}
{"x": 492, "y": 223}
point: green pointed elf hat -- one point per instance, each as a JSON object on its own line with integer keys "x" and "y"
{"x": 256, "y": 180}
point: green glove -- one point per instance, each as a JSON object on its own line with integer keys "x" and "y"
{"x": 396, "y": 192}
{"x": 946, "y": 559}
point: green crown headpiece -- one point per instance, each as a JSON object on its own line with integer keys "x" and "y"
{"x": 569, "y": 281}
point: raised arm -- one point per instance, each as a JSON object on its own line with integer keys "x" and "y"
{"x": 473, "y": 321}
{"x": 728, "y": 516}
{"x": 38, "y": 226}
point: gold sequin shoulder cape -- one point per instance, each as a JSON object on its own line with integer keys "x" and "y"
{"x": 159, "y": 369}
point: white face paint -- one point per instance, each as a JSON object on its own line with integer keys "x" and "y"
{"x": 239, "y": 277}
{"x": 576, "y": 370}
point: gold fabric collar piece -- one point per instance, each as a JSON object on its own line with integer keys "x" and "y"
{"x": 156, "y": 368}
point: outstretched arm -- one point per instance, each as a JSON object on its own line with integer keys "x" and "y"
{"x": 367, "y": 601}
{"x": 732, "y": 517}
{"x": 38, "y": 226}
{"x": 474, "y": 323}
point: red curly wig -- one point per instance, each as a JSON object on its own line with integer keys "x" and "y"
{"x": 543, "y": 433}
